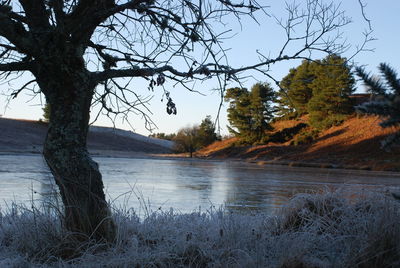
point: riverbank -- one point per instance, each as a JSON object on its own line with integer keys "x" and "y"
{"x": 353, "y": 145}
{"x": 331, "y": 229}
{"x": 356, "y": 144}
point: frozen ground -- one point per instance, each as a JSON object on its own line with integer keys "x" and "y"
{"x": 129, "y": 134}
{"x": 25, "y": 136}
{"x": 333, "y": 229}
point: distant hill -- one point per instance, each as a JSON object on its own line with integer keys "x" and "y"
{"x": 353, "y": 144}
{"x": 28, "y": 136}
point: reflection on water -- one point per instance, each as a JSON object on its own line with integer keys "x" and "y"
{"x": 188, "y": 185}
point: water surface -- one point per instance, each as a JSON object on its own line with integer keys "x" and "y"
{"x": 188, "y": 185}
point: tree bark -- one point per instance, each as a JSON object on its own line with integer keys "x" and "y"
{"x": 78, "y": 177}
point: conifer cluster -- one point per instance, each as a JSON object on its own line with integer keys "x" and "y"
{"x": 250, "y": 112}
{"x": 319, "y": 88}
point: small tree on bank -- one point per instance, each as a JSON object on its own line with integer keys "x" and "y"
{"x": 250, "y": 112}
{"x": 190, "y": 139}
{"x": 386, "y": 100}
{"x": 206, "y": 132}
{"x": 187, "y": 140}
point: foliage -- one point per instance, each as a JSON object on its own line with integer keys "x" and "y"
{"x": 306, "y": 136}
{"x": 285, "y": 108}
{"x": 206, "y": 133}
{"x": 320, "y": 88}
{"x": 46, "y": 112}
{"x": 386, "y": 102}
{"x": 296, "y": 91}
{"x": 287, "y": 134}
{"x": 190, "y": 139}
{"x": 163, "y": 136}
{"x": 187, "y": 140}
{"x": 250, "y": 112}
{"x": 332, "y": 86}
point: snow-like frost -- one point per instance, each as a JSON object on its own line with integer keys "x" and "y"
{"x": 129, "y": 134}
{"x": 333, "y": 229}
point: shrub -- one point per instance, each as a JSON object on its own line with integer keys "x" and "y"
{"x": 287, "y": 134}
{"x": 321, "y": 121}
{"x": 307, "y": 136}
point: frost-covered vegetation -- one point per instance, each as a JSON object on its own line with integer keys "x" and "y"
{"x": 332, "y": 229}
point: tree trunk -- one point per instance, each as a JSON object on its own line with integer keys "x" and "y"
{"x": 76, "y": 174}
{"x": 191, "y": 151}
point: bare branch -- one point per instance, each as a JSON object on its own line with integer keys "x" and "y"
{"x": 16, "y": 92}
{"x": 181, "y": 41}
{"x": 13, "y": 30}
{"x": 363, "y": 6}
{"x": 58, "y": 7}
{"x": 16, "y": 66}
{"x": 35, "y": 12}
{"x": 86, "y": 17}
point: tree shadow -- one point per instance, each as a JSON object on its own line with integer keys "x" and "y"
{"x": 366, "y": 154}
{"x": 331, "y": 135}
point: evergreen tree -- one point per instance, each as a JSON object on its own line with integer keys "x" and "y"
{"x": 285, "y": 107}
{"x": 238, "y": 113}
{"x": 250, "y": 112}
{"x": 261, "y": 109}
{"x": 206, "y": 132}
{"x": 300, "y": 91}
{"x": 296, "y": 90}
{"x": 331, "y": 88}
{"x": 386, "y": 102}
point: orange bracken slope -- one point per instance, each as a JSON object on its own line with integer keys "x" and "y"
{"x": 354, "y": 144}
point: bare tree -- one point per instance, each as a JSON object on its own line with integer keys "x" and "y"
{"x": 79, "y": 51}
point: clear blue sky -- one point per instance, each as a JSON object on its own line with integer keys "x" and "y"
{"x": 267, "y": 37}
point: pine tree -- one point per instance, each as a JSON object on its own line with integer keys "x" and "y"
{"x": 331, "y": 88}
{"x": 285, "y": 107}
{"x": 206, "y": 132}
{"x": 296, "y": 90}
{"x": 261, "y": 109}
{"x": 300, "y": 91}
{"x": 238, "y": 113}
{"x": 250, "y": 112}
{"x": 386, "y": 101}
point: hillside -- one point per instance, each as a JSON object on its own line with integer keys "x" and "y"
{"x": 28, "y": 136}
{"x": 354, "y": 144}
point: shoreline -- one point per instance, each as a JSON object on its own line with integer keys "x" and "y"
{"x": 260, "y": 162}
{"x": 321, "y": 165}
{"x": 142, "y": 155}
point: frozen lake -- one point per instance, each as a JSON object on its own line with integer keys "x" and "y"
{"x": 188, "y": 185}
